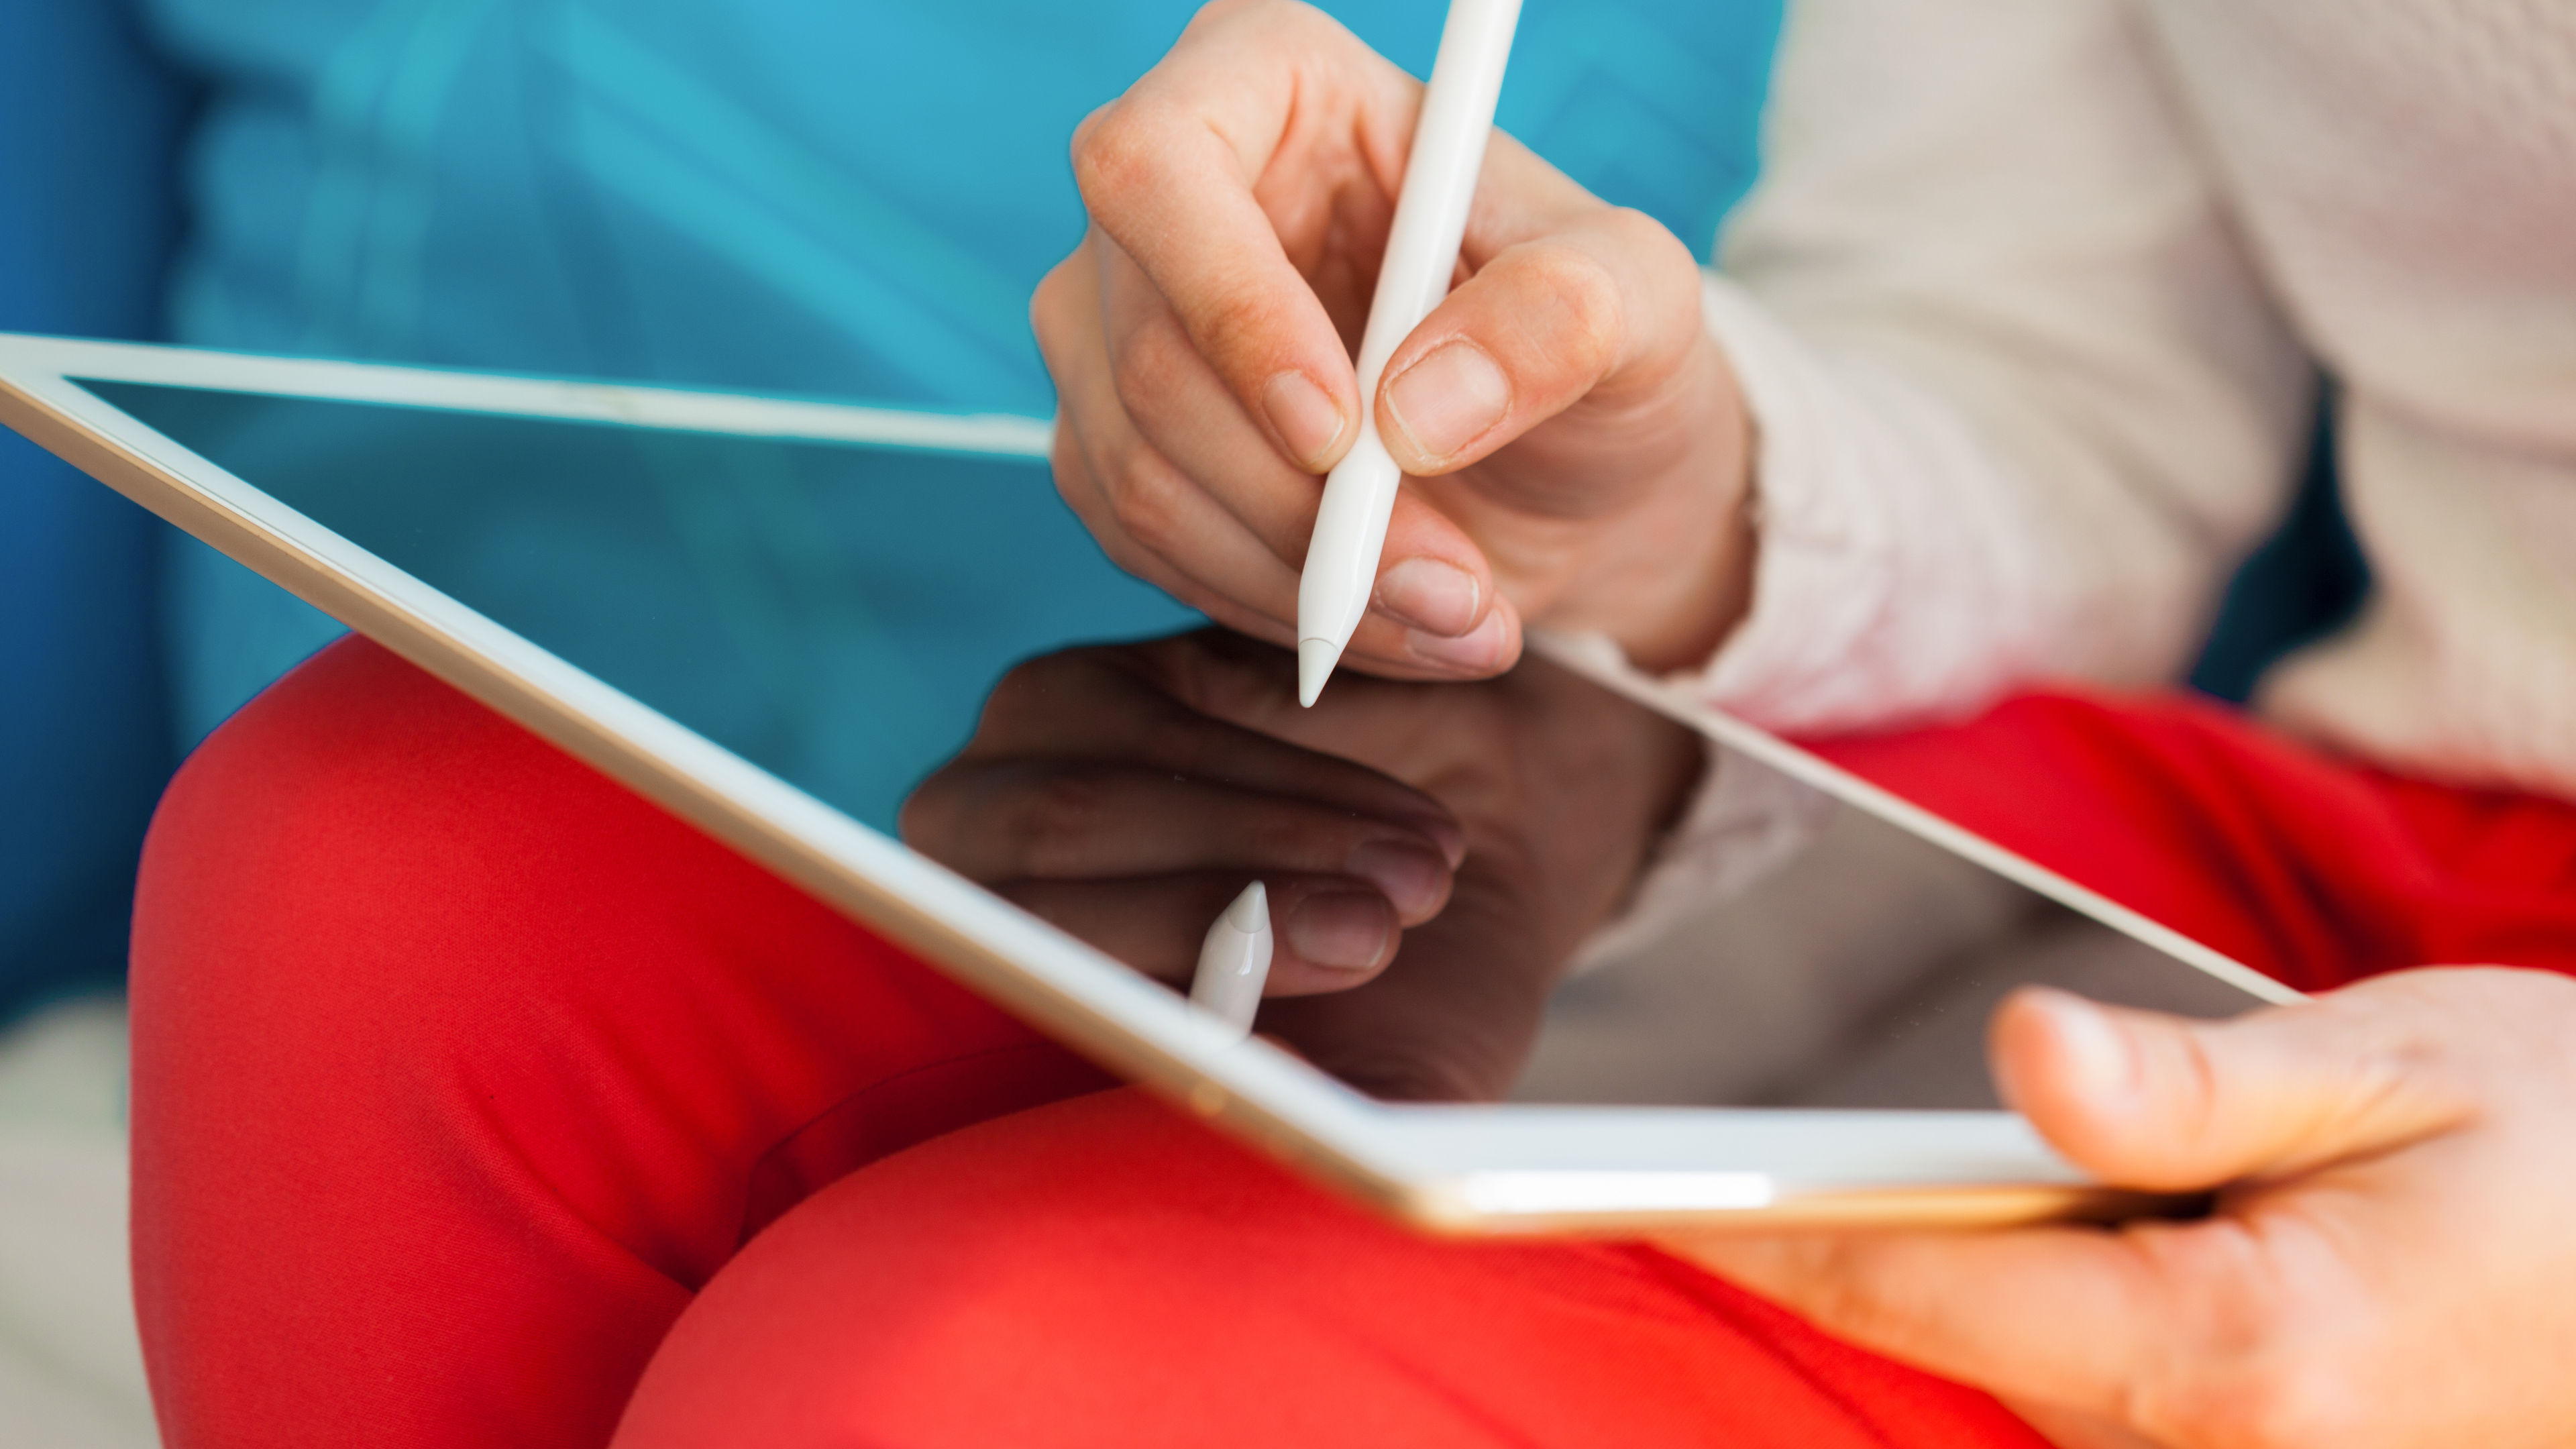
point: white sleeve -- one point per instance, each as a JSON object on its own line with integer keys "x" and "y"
{"x": 2020, "y": 396}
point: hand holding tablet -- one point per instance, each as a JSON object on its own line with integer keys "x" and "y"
{"x": 2382, "y": 1271}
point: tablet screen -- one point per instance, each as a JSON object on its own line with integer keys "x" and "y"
{"x": 1641, "y": 916}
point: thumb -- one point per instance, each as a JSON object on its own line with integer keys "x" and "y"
{"x": 2142, "y": 1099}
{"x": 1568, "y": 301}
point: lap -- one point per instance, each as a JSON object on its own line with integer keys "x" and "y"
{"x": 460, "y": 1070}
{"x": 1106, "y": 1271}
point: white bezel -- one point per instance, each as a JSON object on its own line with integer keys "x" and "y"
{"x": 1480, "y": 1169}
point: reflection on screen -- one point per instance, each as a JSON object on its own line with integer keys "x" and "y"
{"x": 832, "y": 612}
{"x": 1858, "y": 970}
{"x": 838, "y": 614}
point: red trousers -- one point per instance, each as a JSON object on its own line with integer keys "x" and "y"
{"x": 460, "y": 1072}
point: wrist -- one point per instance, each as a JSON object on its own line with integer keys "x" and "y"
{"x": 1670, "y": 577}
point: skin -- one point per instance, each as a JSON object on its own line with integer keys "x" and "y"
{"x": 2389, "y": 1262}
{"x": 1433, "y": 855}
{"x": 2391, "y": 1265}
{"x": 1576, "y": 443}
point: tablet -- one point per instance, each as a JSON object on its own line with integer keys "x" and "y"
{"x": 777, "y": 617}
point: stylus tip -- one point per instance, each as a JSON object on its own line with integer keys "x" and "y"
{"x": 1315, "y": 661}
{"x": 1250, "y": 912}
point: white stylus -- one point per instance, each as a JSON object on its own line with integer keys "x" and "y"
{"x": 1234, "y": 961}
{"x": 1421, "y": 254}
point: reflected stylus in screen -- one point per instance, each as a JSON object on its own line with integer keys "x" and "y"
{"x": 916, "y": 638}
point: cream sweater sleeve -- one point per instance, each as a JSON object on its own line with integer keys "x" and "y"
{"x": 2019, "y": 392}
{"x": 2020, "y": 395}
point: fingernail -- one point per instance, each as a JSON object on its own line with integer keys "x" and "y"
{"x": 2100, "y": 1062}
{"x": 1432, "y": 596}
{"x": 1308, "y": 419}
{"x": 1480, "y": 651}
{"x": 1410, "y": 876}
{"x": 1345, "y": 929}
{"x": 1449, "y": 399}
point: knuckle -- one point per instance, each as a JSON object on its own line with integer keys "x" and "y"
{"x": 1255, "y": 15}
{"x": 1298, "y": 841}
{"x": 1229, "y": 12}
{"x": 1050, "y": 305}
{"x": 1230, "y": 321}
{"x": 1855, "y": 1311}
{"x": 1039, "y": 690}
{"x": 2315, "y": 1402}
{"x": 1668, "y": 272}
{"x": 1071, "y": 473}
{"x": 1587, "y": 317}
{"x": 1135, "y": 561}
{"x": 919, "y": 821}
{"x": 2199, "y": 1094}
{"x": 1155, "y": 362}
{"x": 1117, "y": 150}
{"x": 1650, "y": 241}
{"x": 2307, "y": 1400}
{"x": 1412, "y": 1073}
{"x": 1172, "y": 740}
{"x": 1153, "y": 502}
{"x": 1090, "y": 120}
{"x": 1021, "y": 692}
{"x": 2263, "y": 1363}
{"x": 1838, "y": 1291}
{"x": 1110, "y": 533}
{"x": 1053, "y": 821}
{"x": 2398, "y": 1077}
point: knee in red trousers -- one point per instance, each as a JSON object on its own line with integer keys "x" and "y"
{"x": 458, "y": 1068}
{"x": 1107, "y": 1272}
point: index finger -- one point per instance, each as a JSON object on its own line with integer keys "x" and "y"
{"x": 1265, "y": 120}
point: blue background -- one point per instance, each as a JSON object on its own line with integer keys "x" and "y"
{"x": 791, "y": 195}
{"x": 811, "y": 196}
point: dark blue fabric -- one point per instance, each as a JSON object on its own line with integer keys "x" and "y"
{"x": 2306, "y": 581}
{"x": 87, "y": 126}
{"x": 811, "y": 196}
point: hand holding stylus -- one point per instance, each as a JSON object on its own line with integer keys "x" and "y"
{"x": 1573, "y": 443}
{"x": 1457, "y": 115}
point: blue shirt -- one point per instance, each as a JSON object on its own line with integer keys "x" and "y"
{"x": 807, "y": 196}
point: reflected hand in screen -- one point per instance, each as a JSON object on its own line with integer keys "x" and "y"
{"x": 1434, "y": 853}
